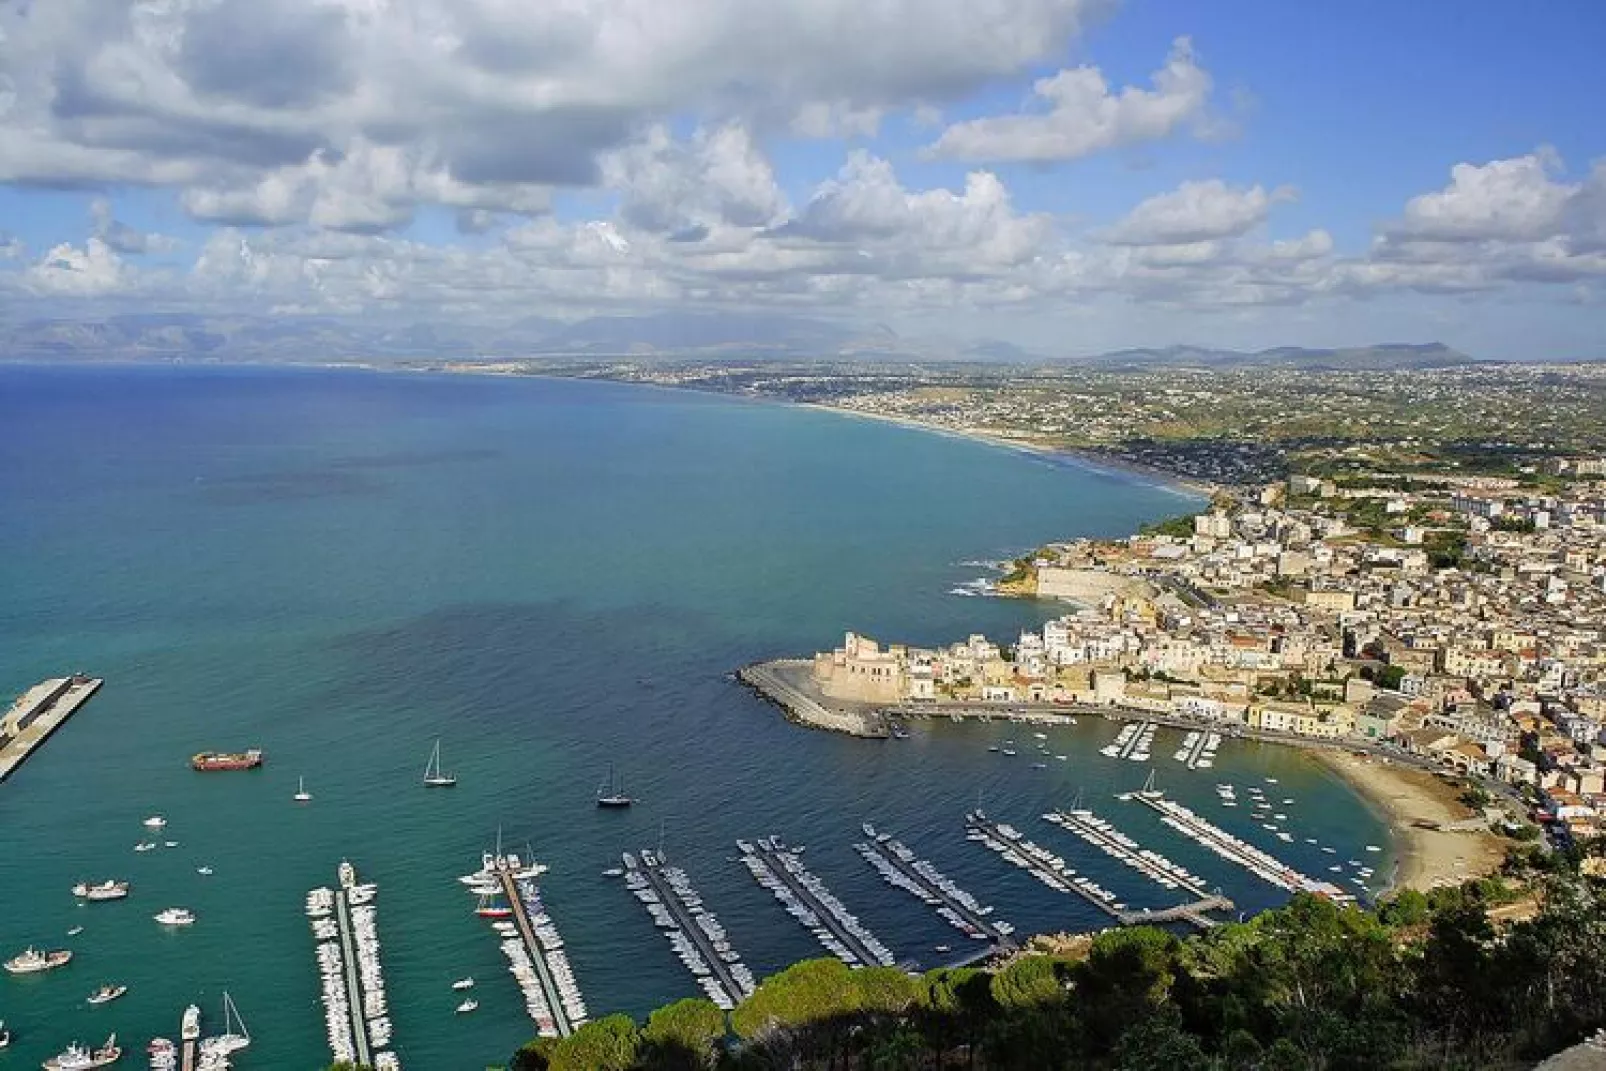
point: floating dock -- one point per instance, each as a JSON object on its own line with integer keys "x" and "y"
{"x": 693, "y": 931}
{"x": 37, "y": 713}
{"x": 538, "y": 961}
{"x": 1198, "y": 750}
{"x": 1262, "y": 864}
{"x": 806, "y": 898}
{"x": 1133, "y": 742}
{"x": 1152, "y": 865}
{"x": 356, "y": 1013}
{"x": 901, "y": 868}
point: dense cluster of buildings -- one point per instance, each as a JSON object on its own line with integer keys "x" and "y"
{"x": 1465, "y": 622}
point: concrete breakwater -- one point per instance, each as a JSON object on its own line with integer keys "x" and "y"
{"x": 789, "y": 684}
{"x": 37, "y": 713}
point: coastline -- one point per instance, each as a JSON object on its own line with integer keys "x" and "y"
{"x": 1084, "y": 458}
{"x": 1415, "y": 803}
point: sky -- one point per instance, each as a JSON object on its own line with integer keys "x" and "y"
{"x": 1071, "y": 176}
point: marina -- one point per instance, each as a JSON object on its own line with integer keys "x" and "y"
{"x": 38, "y": 713}
{"x": 695, "y": 934}
{"x": 1132, "y": 743}
{"x": 806, "y": 898}
{"x": 901, "y": 868}
{"x": 1104, "y": 836}
{"x": 356, "y": 1013}
{"x": 531, "y": 942}
{"x": 1262, "y": 864}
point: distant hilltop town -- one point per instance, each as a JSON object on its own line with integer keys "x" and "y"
{"x": 1459, "y": 618}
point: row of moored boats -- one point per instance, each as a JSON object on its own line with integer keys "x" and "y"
{"x": 807, "y": 899}
{"x": 700, "y": 941}
{"x": 1038, "y": 861}
{"x": 900, "y": 868}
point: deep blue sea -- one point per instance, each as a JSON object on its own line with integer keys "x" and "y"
{"x": 550, "y": 576}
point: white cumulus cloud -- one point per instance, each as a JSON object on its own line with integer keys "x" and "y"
{"x": 1079, "y": 114}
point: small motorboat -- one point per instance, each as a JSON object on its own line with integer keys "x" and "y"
{"x": 204, "y": 871}
{"x": 107, "y": 993}
{"x": 145, "y": 846}
{"x": 175, "y": 916}
{"x": 75, "y": 931}
{"x": 170, "y": 844}
{"x": 463, "y": 983}
{"x": 467, "y": 1006}
{"x": 155, "y": 821}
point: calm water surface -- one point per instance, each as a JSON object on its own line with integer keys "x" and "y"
{"x": 339, "y": 567}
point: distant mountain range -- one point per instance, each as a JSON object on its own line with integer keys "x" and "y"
{"x": 683, "y": 336}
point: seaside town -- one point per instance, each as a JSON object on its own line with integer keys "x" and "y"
{"x": 1454, "y": 619}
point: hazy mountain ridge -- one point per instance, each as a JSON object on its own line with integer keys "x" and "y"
{"x": 176, "y": 336}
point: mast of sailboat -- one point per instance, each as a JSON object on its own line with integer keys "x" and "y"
{"x": 232, "y": 1012}
{"x": 433, "y": 767}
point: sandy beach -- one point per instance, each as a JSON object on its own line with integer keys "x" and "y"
{"x": 1408, "y": 796}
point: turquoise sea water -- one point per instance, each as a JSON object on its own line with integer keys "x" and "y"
{"x": 551, "y": 576}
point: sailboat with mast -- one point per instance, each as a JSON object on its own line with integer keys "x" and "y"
{"x": 302, "y": 795}
{"x": 433, "y": 777}
{"x": 234, "y": 1037}
{"x": 613, "y": 794}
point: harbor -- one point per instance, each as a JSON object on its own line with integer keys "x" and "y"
{"x": 1260, "y": 863}
{"x": 901, "y": 868}
{"x": 697, "y": 937}
{"x": 356, "y": 1013}
{"x": 806, "y": 898}
{"x": 38, "y": 713}
{"x": 531, "y": 942}
{"x": 1104, "y": 836}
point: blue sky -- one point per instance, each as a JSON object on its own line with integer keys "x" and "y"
{"x": 1234, "y": 173}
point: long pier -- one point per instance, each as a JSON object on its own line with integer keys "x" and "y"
{"x": 563, "y": 1020}
{"x": 1260, "y": 863}
{"x": 806, "y": 898}
{"x": 899, "y": 865}
{"x": 677, "y": 909}
{"x": 1151, "y": 864}
{"x": 37, "y": 713}
{"x": 354, "y": 998}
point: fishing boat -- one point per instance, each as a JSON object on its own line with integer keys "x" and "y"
{"x": 433, "y": 777}
{"x": 77, "y": 1058}
{"x": 211, "y": 761}
{"x": 107, "y": 993}
{"x": 32, "y": 961}
{"x": 612, "y": 794}
{"x": 105, "y": 890}
{"x": 175, "y": 916}
{"x": 302, "y": 795}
